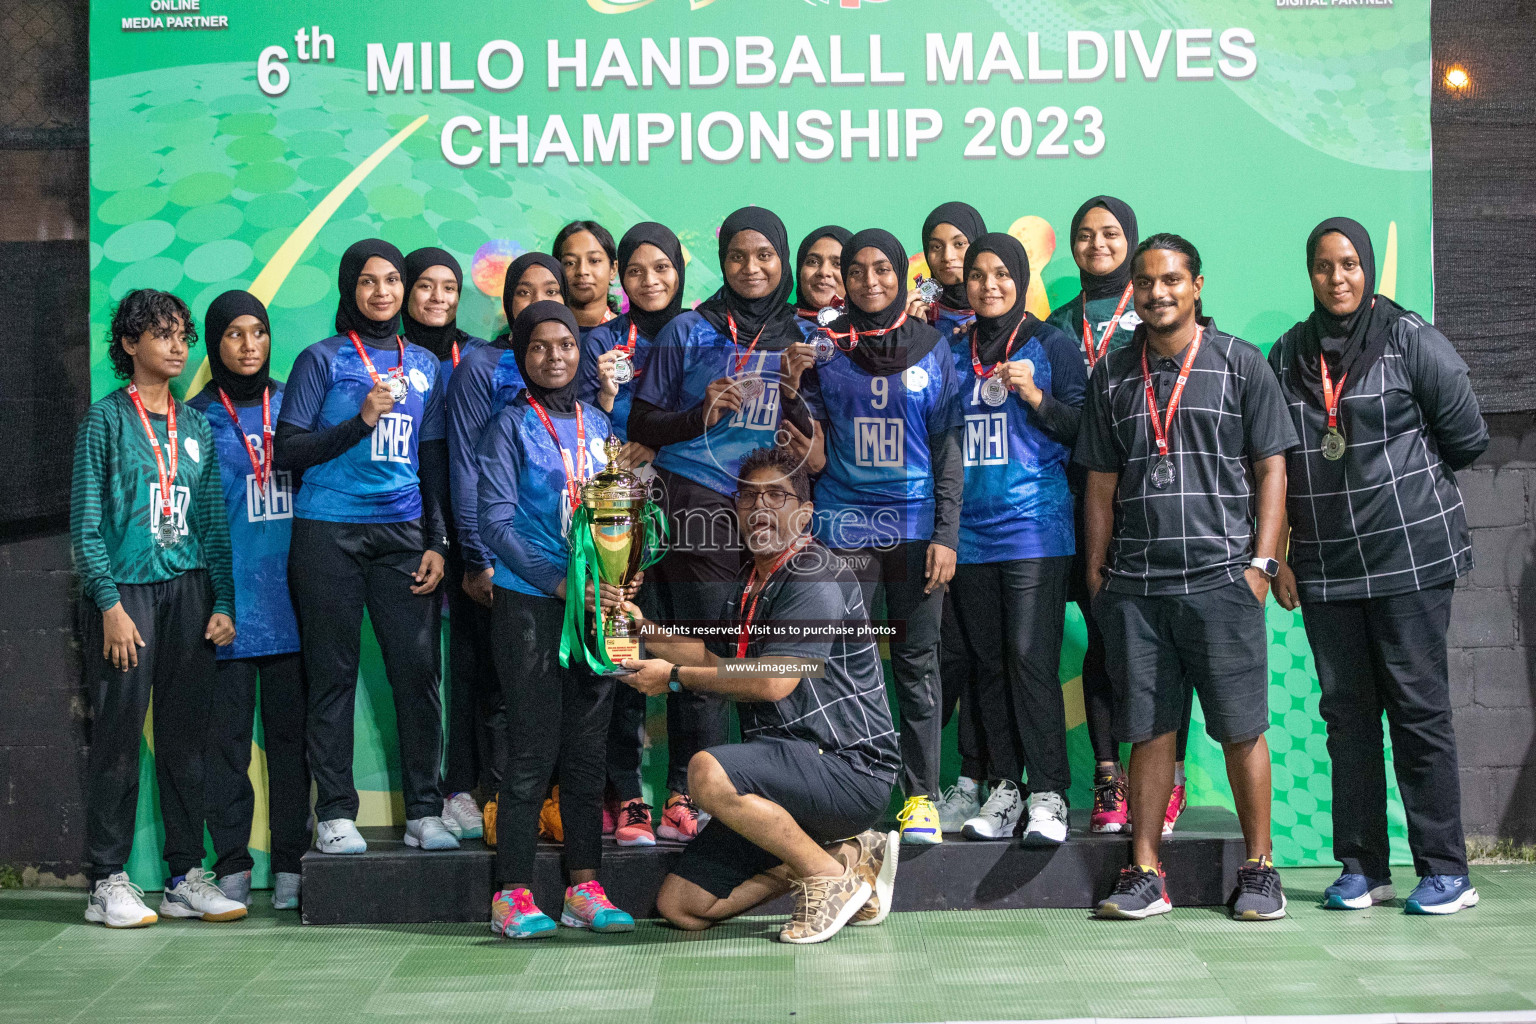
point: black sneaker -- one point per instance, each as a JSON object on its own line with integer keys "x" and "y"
{"x": 1138, "y": 893}
{"x": 1258, "y": 896}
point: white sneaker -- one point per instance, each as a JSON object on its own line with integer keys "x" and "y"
{"x": 999, "y": 816}
{"x": 959, "y": 803}
{"x": 430, "y": 834}
{"x": 197, "y": 896}
{"x": 1047, "y": 820}
{"x": 462, "y": 817}
{"x": 118, "y": 903}
{"x": 339, "y": 835}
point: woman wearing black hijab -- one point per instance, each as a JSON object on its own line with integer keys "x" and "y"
{"x": 433, "y": 284}
{"x": 534, "y": 457}
{"x": 1103, "y": 236}
{"x": 720, "y": 379}
{"x": 1024, "y": 380}
{"x": 363, "y": 420}
{"x": 818, "y": 271}
{"x": 888, "y": 498}
{"x": 614, "y": 357}
{"x": 947, "y": 233}
{"x": 1378, "y": 538}
{"x": 241, "y": 403}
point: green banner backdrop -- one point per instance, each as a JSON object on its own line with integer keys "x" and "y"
{"x": 247, "y": 143}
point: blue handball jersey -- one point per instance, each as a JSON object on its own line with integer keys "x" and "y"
{"x": 446, "y": 365}
{"x": 1016, "y": 502}
{"x": 524, "y": 514}
{"x": 605, "y": 338}
{"x": 689, "y": 355}
{"x": 260, "y": 524}
{"x": 953, "y": 325}
{"x": 877, "y": 488}
{"x": 487, "y": 380}
{"x": 376, "y": 480}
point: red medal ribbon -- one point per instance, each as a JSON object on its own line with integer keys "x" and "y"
{"x": 455, "y": 355}
{"x": 572, "y": 478}
{"x": 262, "y": 466}
{"x": 854, "y": 334}
{"x": 1331, "y": 395}
{"x": 628, "y": 348}
{"x": 741, "y": 360}
{"x": 167, "y": 479}
{"x": 744, "y": 636}
{"x": 1161, "y": 425}
{"x": 1096, "y": 351}
{"x": 976, "y": 358}
{"x": 362, "y": 353}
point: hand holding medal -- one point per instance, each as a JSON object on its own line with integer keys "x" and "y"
{"x": 994, "y": 386}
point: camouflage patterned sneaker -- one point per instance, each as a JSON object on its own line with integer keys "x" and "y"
{"x": 823, "y": 905}
{"x": 877, "y": 866}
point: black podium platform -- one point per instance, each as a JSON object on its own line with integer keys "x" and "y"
{"x": 392, "y": 884}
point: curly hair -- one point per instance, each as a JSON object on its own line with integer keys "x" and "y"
{"x": 146, "y": 309}
{"x": 778, "y": 460}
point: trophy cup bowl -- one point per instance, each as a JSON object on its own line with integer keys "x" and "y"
{"x": 615, "y": 500}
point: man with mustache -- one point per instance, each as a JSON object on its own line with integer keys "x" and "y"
{"x": 818, "y": 758}
{"x": 1184, "y": 438}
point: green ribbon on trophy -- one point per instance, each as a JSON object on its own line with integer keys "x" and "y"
{"x": 616, "y": 531}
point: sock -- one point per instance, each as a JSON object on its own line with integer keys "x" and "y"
{"x": 175, "y": 881}
{"x": 1106, "y": 771}
{"x": 965, "y": 782}
{"x": 1178, "y": 774}
{"x": 1148, "y": 867}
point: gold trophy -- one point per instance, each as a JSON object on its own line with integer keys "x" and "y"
{"x": 616, "y": 501}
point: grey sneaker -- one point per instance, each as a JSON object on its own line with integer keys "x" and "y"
{"x": 1258, "y": 896}
{"x": 999, "y": 816}
{"x": 285, "y": 890}
{"x": 429, "y": 833}
{"x": 1138, "y": 893}
{"x": 959, "y": 803}
{"x": 237, "y": 887}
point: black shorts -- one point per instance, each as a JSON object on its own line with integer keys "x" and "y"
{"x": 1157, "y": 647}
{"x": 826, "y": 796}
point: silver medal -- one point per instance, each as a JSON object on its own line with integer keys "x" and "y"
{"x": 623, "y": 369}
{"x": 751, "y": 386}
{"x": 993, "y": 392}
{"x": 824, "y": 348}
{"x": 1162, "y": 473}
{"x": 397, "y": 387}
{"x": 928, "y": 289}
{"x": 826, "y": 314}
{"x": 167, "y": 533}
{"x": 1333, "y": 445}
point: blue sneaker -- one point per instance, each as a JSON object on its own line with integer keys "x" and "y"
{"x": 1357, "y": 892}
{"x": 1441, "y": 894}
{"x": 514, "y": 915}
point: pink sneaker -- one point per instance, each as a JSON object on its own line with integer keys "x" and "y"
{"x": 679, "y": 819}
{"x": 1110, "y": 811}
{"x": 1176, "y": 804}
{"x": 514, "y": 915}
{"x": 634, "y": 824}
{"x": 588, "y": 906}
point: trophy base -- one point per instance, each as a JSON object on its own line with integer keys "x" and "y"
{"x": 621, "y": 648}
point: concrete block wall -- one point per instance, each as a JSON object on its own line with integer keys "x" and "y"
{"x": 1493, "y": 637}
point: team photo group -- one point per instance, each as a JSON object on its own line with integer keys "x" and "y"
{"x": 825, "y": 445}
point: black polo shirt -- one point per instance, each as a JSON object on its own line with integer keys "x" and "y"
{"x": 1197, "y": 533}
{"x": 846, "y": 712}
{"x": 1387, "y": 518}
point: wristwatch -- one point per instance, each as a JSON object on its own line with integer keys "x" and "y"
{"x": 1270, "y": 567}
{"x": 673, "y": 682}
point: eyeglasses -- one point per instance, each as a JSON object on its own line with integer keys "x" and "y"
{"x": 772, "y": 498}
